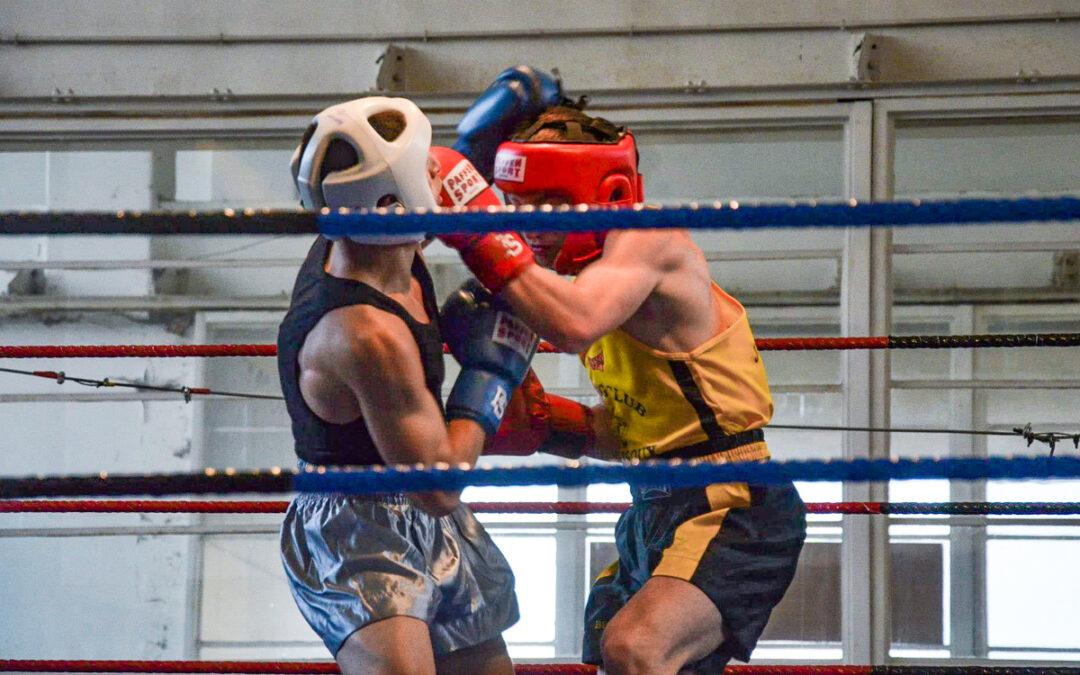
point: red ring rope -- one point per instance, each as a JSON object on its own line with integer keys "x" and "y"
{"x": 331, "y": 668}
{"x": 547, "y": 508}
{"x": 763, "y": 344}
{"x": 238, "y": 506}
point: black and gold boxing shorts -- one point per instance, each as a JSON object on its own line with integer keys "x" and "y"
{"x": 739, "y": 544}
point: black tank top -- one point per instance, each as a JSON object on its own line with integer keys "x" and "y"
{"x": 315, "y": 294}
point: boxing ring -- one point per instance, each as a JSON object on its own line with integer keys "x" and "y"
{"x": 83, "y": 493}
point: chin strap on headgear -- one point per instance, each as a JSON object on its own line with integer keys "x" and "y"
{"x": 366, "y": 153}
{"x": 580, "y": 168}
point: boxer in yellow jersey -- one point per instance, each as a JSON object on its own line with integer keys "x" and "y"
{"x": 674, "y": 360}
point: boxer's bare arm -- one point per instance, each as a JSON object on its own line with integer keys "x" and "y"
{"x": 573, "y": 314}
{"x": 381, "y": 365}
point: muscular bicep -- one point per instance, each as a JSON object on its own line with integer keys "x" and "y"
{"x": 573, "y": 314}
{"x": 383, "y": 369}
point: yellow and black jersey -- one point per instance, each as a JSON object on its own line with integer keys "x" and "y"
{"x": 666, "y": 402}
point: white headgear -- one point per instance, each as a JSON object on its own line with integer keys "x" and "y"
{"x": 345, "y": 162}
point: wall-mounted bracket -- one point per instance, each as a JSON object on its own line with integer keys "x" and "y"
{"x": 393, "y": 64}
{"x": 867, "y": 56}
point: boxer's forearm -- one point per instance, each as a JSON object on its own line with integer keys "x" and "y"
{"x": 574, "y": 314}
{"x": 465, "y": 439}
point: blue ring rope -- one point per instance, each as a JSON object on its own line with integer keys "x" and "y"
{"x": 685, "y": 474}
{"x": 844, "y": 214}
{"x": 708, "y": 216}
{"x": 401, "y": 479}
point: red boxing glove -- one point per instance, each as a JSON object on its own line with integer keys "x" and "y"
{"x": 536, "y": 421}
{"x": 495, "y": 258}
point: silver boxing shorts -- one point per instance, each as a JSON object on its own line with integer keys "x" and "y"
{"x": 353, "y": 560}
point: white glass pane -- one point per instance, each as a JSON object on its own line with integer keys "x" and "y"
{"x": 603, "y": 492}
{"x": 821, "y": 492}
{"x": 24, "y": 182}
{"x": 922, "y": 408}
{"x": 533, "y": 562}
{"x": 744, "y": 164}
{"x": 245, "y": 433}
{"x": 524, "y": 651}
{"x": 918, "y": 364}
{"x": 1044, "y": 409}
{"x": 245, "y": 596}
{"x": 751, "y": 163}
{"x": 1029, "y": 490}
{"x": 99, "y": 180}
{"x": 315, "y": 652}
{"x": 798, "y": 654}
{"x": 1027, "y": 585}
{"x": 805, "y": 410}
{"x": 965, "y": 156}
{"x": 801, "y": 367}
{"x": 1031, "y": 363}
{"x": 94, "y": 597}
{"x": 525, "y": 493}
{"x": 255, "y": 178}
{"x": 236, "y": 280}
{"x": 919, "y": 491}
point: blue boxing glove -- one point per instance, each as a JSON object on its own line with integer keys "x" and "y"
{"x": 494, "y": 349}
{"x": 518, "y": 94}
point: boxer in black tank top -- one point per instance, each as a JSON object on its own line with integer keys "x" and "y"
{"x": 362, "y": 372}
{"x": 399, "y": 582}
{"x": 315, "y": 294}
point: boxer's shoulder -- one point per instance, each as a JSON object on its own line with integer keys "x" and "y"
{"x": 362, "y": 335}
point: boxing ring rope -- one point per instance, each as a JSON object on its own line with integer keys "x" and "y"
{"x": 714, "y": 215}
{"x": 1003, "y": 340}
{"x": 536, "y": 508}
{"x": 674, "y": 473}
{"x": 330, "y": 668}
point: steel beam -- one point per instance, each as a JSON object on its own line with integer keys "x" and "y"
{"x": 839, "y": 23}
{"x": 750, "y": 298}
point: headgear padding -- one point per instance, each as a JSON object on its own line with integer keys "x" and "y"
{"x": 598, "y": 168}
{"x": 582, "y": 168}
{"x": 363, "y": 154}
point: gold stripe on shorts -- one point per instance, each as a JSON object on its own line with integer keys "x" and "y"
{"x": 692, "y": 538}
{"x": 608, "y": 571}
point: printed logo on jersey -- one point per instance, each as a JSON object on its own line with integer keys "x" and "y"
{"x": 510, "y": 167}
{"x": 463, "y": 183}
{"x": 595, "y": 362}
{"x": 512, "y": 332}
{"x": 646, "y": 452}
{"x": 619, "y": 396}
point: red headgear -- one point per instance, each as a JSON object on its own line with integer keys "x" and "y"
{"x": 585, "y": 170}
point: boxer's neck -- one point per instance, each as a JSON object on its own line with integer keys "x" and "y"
{"x": 386, "y": 268}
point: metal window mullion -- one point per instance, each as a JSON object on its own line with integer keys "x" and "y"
{"x": 570, "y": 575}
{"x": 865, "y": 309}
{"x": 964, "y": 542}
{"x": 980, "y": 595}
{"x": 197, "y": 544}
